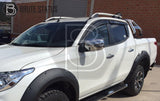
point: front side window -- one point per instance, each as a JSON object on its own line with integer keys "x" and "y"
{"x": 99, "y": 32}
{"x": 60, "y": 34}
{"x": 117, "y": 33}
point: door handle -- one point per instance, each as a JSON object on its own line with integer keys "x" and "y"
{"x": 131, "y": 50}
{"x": 110, "y": 56}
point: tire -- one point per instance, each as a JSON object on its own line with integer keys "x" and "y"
{"x": 135, "y": 81}
{"x": 53, "y": 95}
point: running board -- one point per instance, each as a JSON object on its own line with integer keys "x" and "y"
{"x": 105, "y": 93}
{"x": 116, "y": 89}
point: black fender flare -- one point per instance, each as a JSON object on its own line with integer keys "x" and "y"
{"x": 141, "y": 59}
{"x": 48, "y": 78}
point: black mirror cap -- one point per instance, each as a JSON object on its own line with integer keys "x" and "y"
{"x": 82, "y": 48}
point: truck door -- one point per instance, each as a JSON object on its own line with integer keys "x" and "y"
{"x": 123, "y": 47}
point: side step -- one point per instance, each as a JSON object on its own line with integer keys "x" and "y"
{"x": 106, "y": 93}
{"x": 116, "y": 89}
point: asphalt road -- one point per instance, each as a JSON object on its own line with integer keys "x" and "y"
{"x": 150, "y": 91}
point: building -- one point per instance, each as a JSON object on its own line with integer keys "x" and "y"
{"x": 31, "y": 12}
{"x": 144, "y": 12}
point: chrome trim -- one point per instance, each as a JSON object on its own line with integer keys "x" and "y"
{"x": 93, "y": 45}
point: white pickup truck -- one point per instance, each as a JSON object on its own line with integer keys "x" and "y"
{"x": 69, "y": 59}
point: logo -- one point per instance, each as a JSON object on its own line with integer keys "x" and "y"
{"x": 10, "y": 9}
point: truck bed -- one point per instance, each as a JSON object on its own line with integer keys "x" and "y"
{"x": 147, "y": 44}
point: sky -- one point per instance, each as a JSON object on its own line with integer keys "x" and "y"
{"x": 5, "y": 0}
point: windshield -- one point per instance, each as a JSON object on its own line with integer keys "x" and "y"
{"x": 60, "y": 34}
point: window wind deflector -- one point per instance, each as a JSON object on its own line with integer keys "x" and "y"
{"x": 115, "y": 22}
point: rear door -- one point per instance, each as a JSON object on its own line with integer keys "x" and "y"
{"x": 122, "y": 46}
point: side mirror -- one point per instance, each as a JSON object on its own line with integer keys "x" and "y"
{"x": 92, "y": 45}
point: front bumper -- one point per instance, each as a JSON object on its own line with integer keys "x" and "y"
{"x": 15, "y": 93}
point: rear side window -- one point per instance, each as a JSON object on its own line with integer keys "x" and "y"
{"x": 118, "y": 33}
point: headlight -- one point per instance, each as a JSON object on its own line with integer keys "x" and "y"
{"x": 10, "y": 79}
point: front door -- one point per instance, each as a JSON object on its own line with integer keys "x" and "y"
{"x": 96, "y": 68}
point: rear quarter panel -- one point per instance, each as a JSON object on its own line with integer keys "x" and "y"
{"x": 147, "y": 44}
